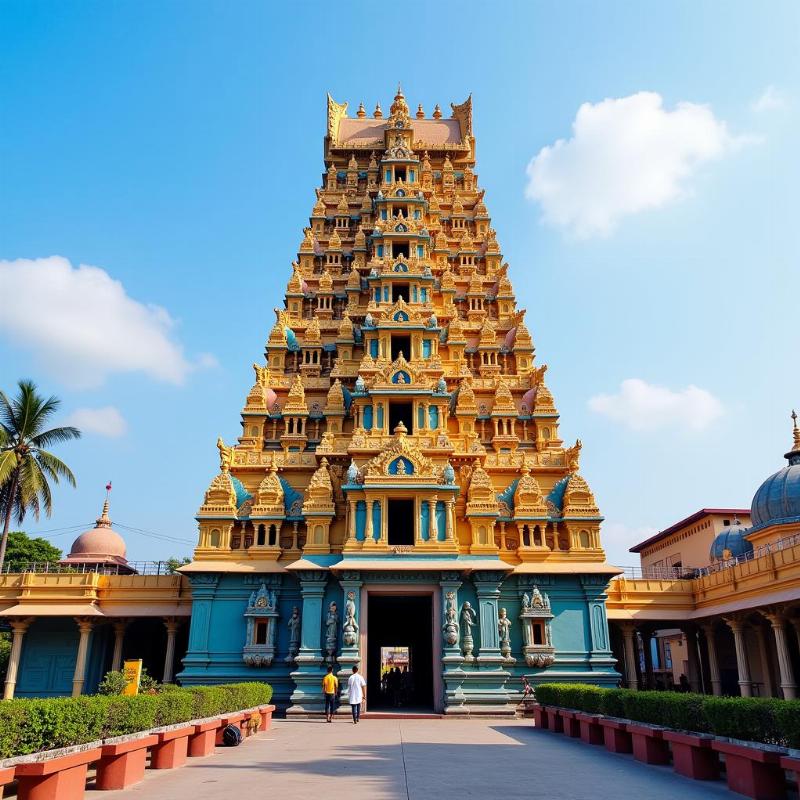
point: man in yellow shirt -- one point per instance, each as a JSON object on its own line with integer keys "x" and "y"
{"x": 330, "y": 686}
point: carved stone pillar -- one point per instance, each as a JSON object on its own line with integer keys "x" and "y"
{"x": 433, "y": 531}
{"x": 788, "y": 686}
{"x": 79, "y": 677}
{"x": 119, "y": 637}
{"x": 307, "y": 696}
{"x": 351, "y": 527}
{"x": 351, "y": 640}
{"x": 171, "y": 624}
{"x": 450, "y": 518}
{"x": 743, "y": 668}
{"x": 629, "y": 634}
{"x": 761, "y": 637}
{"x": 713, "y": 663}
{"x": 487, "y": 587}
{"x": 452, "y": 673}
{"x": 694, "y": 676}
{"x": 369, "y": 534}
{"x": 647, "y": 651}
{"x": 18, "y": 628}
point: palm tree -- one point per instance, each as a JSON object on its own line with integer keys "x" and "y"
{"x": 25, "y": 466}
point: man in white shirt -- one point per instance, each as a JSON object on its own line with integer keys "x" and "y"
{"x": 356, "y": 693}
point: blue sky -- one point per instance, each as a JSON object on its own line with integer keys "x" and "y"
{"x": 176, "y": 146}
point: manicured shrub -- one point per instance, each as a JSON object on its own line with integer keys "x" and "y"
{"x": 207, "y": 701}
{"x": 173, "y": 707}
{"x": 126, "y": 715}
{"x": 787, "y": 717}
{"x": 613, "y": 702}
{"x": 749, "y": 718}
{"x": 752, "y": 719}
{"x": 61, "y": 722}
{"x": 28, "y": 726}
{"x": 12, "y": 721}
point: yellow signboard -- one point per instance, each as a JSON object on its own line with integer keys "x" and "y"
{"x": 133, "y": 674}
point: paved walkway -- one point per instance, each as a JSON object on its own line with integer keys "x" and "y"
{"x": 416, "y": 760}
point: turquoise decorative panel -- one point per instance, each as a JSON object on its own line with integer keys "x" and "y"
{"x": 425, "y": 521}
{"x": 361, "y": 520}
{"x": 433, "y": 417}
{"x": 368, "y": 418}
{"x": 441, "y": 527}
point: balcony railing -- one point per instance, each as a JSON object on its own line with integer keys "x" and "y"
{"x": 687, "y": 573}
{"x": 56, "y": 568}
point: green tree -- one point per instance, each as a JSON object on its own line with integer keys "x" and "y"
{"x": 26, "y": 467}
{"x": 174, "y": 564}
{"x": 22, "y": 550}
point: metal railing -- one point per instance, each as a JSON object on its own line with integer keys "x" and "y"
{"x": 57, "y": 568}
{"x": 688, "y": 573}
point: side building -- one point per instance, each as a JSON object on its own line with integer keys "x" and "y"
{"x": 400, "y": 497}
{"x": 73, "y": 621}
{"x": 717, "y": 606}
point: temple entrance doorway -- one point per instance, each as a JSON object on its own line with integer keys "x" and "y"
{"x": 399, "y": 652}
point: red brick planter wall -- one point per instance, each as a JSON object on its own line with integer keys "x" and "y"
{"x": 572, "y": 726}
{"x": 752, "y": 771}
{"x": 122, "y": 764}
{"x": 692, "y": 755}
{"x": 203, "y": 739}
{"x": 59, "y": 778}
{"x": 172, "y": 748}
{"x": 266, "y": 717}
{"x": 591, "y": 732}
{"x": 615, "y": 736}
{"x": 648, "y": 744}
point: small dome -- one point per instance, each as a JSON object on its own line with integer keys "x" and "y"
{"x": 778, "y": 498}
{"x": 101, "y": 542}
{"x": 730, "y": 543}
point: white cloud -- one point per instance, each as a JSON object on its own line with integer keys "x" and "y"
{"x": 83, "y": 326}
{"x": 105, "y": 421}
{"x": 644, "y": 406}
{"x": 771, "y": 99}
{"x": 626, "y": 155}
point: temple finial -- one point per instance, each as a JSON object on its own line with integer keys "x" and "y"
{"x": 104, "y": 519}
{"x": 795, "y": 431}
{"x": 361, "y": 113}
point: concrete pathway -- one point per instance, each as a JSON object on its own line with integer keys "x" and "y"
{"x": 381, "y": 759}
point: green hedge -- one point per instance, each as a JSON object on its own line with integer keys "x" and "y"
{"x": 750, "y": 718}
{"x": 27, "y": 726}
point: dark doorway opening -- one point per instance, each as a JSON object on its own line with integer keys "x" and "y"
{"x": 400, "y": 249}
{"x": 401, "y": 412}
{"x": 401, "y": 344}
{"x": 398, "y": 291}
{"x": 399, "y": 173}
{"x": 401, "y": 522}
{"x": 399, "y": 635}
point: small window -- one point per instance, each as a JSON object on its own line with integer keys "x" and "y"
{"x": 726, "y": 522}
{"x": 399, "y": 173}
{"x": 215, "y": 537}
{"x": 261, "y": 632}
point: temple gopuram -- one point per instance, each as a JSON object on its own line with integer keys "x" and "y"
{"x": 400, "y": 497}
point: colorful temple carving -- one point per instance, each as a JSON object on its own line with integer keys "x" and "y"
{"x": 400, "y": 443}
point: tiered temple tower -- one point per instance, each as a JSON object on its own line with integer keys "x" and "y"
{"x": 400, "y": 481}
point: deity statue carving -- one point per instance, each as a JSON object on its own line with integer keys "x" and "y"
{"x": 225, "y": 455}
{"x": 468, "y": 622}
{"x": 537, "y": 600}
{"x": 401, "y": 467}
{"x": 331, "y": 632}
{"x": 294, "y": 635}
{"x": 504, "y": 630}
{"x": 350, "y": 626}
{"x": 573, "y": 455}
{"x": 526, "y": 602}
{"x": 451, "y": 628}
